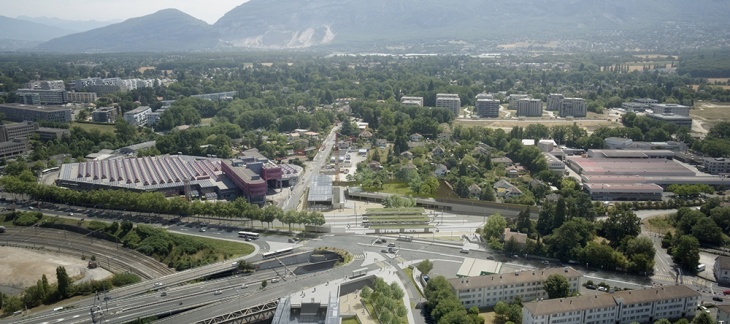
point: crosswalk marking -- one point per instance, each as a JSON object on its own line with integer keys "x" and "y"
{"x": 359, "y": 256}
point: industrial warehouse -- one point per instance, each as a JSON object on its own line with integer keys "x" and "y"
{"x": 635, "y": 174}
{"x": 251, "y": 176}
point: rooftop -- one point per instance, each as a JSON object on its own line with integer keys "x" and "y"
{"x": 476, "y": 267}
{"x": 33, "y": 107}
{"x": 618, "y": 166}
{"x": 723, "y": 262}
{"x": 512, "y": 278}
{"x": 623, "y": 187}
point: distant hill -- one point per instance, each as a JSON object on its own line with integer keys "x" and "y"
{"x": 26, "y": 31}
{"x": 75, "y": 26}
{"x": 165, "y": 30}
{"x": 296, "y": 23}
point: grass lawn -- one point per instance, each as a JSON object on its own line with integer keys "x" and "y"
{"x": 352, "y": 320}
{"x": 659, "y": 224}
{"x": 206, "y": 121}
{"x": 104, "y": 128}
{"x": 401, "y": 188}
{"x": 235, "y": 249}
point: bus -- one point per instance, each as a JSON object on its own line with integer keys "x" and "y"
{"x": 50, "y": 170}
{"x": 277, "y": 253}
{"x": 359, "y": 272}
{"x": 248, "y": 235}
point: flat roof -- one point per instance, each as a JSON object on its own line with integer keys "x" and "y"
{"x": 512, "y": 278}
{"x": 618, "y": 166}
{"x": 476, "y": 267}
{"x": 623, "y": 187}
{"x": 34, "y": 107}
{"x": 321, "y": 189}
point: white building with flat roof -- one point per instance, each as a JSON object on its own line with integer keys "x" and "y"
{"x": 138, "y": 116}
{"x": 666, "y": 108}
{"x": 449, "y": 101}
{"x": 412, "y": 101}
{"x": 717, "y": 165}
{"x": 514, "y": 98}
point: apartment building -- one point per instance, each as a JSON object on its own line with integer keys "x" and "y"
{"x": 46, "y": 85}
{"x": 138, "y": 116}
{"x": 19, "y": 130}
{"x": 449, "y": 101}
{"x": 82, "y": 97}
{"x": 514, "y": 98}
{"x": 487, "y": 108}
{"x": 723, "y": 314}
{"x": 554, "y": 101}
{"x": 104, "y": 115}
{"x": 412, "y": 101}
{"x": 529, "y": 108}
{"x": 623, "y": 307}
{"x": 20, "y": 112}
{"x": 716, "y": 165}
{"x": 485, "y": 291}
{"x": 573, "y": 107}
{"x": 45, "y": 97}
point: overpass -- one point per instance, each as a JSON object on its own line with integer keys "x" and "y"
{"x": 253, "y": 314}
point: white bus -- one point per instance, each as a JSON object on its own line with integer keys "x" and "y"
{"x": 248, "y": 235}
{"x": 700, "y": 267}
{"x": 277, "y": 253}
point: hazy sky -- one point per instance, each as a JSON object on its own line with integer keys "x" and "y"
{"x": 207, "y": 10}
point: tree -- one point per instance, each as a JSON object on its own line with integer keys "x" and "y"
{"x": 64, "y": 282}
{"x": 264, "y": 284}
{"x": 366, "y": 292}
{"x": 425, "y": 266}
{"x": 620, "y": 224}
{"x": 686, "y": 253}
{"x": 663, "y": 321}
{"x": 703, "y": 318}
{"x": 501, "y": 310}
{"x": 494, "y": 228}
{"x": 707, "y": 231}
{"x": 557, "y": 286}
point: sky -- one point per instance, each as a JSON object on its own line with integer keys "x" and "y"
{"x": 103, "y": 10}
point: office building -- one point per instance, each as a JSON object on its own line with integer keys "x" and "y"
{"x": 486, "y": 291}
{"x": 20, "y": 112}
{"x": 412, "y": 101}
{"x": 622, "y": 307}
{"x": 674, "y": 109}
{"x": 678, "y": 120}
{"x": 554, "y": 101}
{"x": 573, "y": 107}
{"x": 14, "y": 147}
{"x": 47, "y": 133}
{"x": 487, "y": 108}
{"x": 82, "y": 97}
{"x": 46, "y": 85}
{"x": 19, "y": 130}
{"x": 554, "y": 163}
{"x": 138, "y": 116}
{"x": 29, "y": 98}
{"x": 514, "y": 98}
{"x": 253, "y": 174}
{"x": 717, "y": 165}
{"x": 449, "y": 101}
{"x": 529, "y": 108}
{"x": 624, "y": 191}
{"x": 104, "y": 115}
{"x": 46, "y": 97}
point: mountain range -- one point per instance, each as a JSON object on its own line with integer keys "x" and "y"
{"x": 285, "y": 24}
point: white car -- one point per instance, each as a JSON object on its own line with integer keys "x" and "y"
{"x": 275, "y": 280}
{"x": 217, "y": 292}
{"x": 244, "y": 286}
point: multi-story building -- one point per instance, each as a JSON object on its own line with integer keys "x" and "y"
{"x": 81, "y": 97}
{"x": 411, "y": 101}
{"x": 155, "y": 116}
{"x": 104, "y": 115}
{"x": 46, "y": 97}
{"x": 485, "y": 291}
{"x": 554, "y": 101}
{"x": 675, "y": 109}
{"x": 47, "y": 133}
{"x": 20, "y": 112}
{"x": 487, "y": 108}
{"x": 138, "y": 116}
{"x": 723, "y": 314}
{"x": 253, "y": 174}
{"x": 717, "y": 165}
{"x": 646, "y": 101}
{"x": 624, "y": 191}
{"x": 722, "y": 269}
{"x": 14, "y": 147}
{"x": 678, "y": 120}
{"x": 621, "y": 307}
{"x": 19, "y": 130}
{"x": 514, "y": 98}
{"x": 29, "y": 98}
{"x": 46, "y": 85}
{"x": 529, "y": 108}
{"x": 449, "y": 101}
{"x": 573, "y": 107}
{"x": 554, "y": 163}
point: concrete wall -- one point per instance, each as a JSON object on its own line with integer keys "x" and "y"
{"x": 356, "y": 284}
{"x": 286, "y": 260}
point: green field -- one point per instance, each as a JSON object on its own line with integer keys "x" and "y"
{"x": 104, "y": 128}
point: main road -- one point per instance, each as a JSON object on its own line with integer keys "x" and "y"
{"x": 314, "y": 167}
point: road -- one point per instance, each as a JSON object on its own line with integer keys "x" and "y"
{"x": 314, "y": 167}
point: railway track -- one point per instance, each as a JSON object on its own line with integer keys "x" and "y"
{"x": 109, "y": 255}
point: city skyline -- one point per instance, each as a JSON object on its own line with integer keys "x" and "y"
{"x": 104, "y": 10}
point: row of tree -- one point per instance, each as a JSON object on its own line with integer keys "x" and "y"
{"x": 444, "y": 307}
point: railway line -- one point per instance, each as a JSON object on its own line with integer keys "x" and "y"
{"x": 110, "y": 256}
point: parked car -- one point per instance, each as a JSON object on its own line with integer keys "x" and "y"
{"x": 163, "y": 294}
{"x": 592, "y": 287}
{"x": 717, "y": 299}
{"x": 391, "y": 244}
{"x": 275, "y": 280}
{"x": 202, "y": 229}
{"x": 726, "y": 292}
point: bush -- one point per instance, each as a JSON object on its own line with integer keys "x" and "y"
{"x": 27, "y": 219}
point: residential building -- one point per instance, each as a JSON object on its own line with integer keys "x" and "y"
{"x": 138, "y": 116}
{"x": 487, "y": 108}
{"x": 514, "y": 98}
{"x": 20, "y": 112}
{"x": 554, "y": 163}
{"x": 30, "y": 98}
{"x": 46, "y": 85}
{"x": 529, "y": 108}
{"x": 19, "y": 130}
{"x": 674, "y": 109}
{"x": 416, "y": 137}
{"x": 449, "y": 101}
{"x": 486, "y": 291}
{"x": 723, "y": 314}
{"x": 520, "y": 238}
{"x": 679, "y": 120}
{"x": 621, "y": 307}
{"x": 573, "y": 107}
{"x": 624, "y": 191}
{"x": 438, "y": 151}
{"x": 46, "y": 97}
{"x": 722, "y": 270}
{"x": 16, "y": 146}
{"x": 554, "y": 101}
{"x": 504, "y": 189}
{"x": 155, "y": 116}
{"x": 475, "y": 190}
{"x": 81, "y": 97}
{"x": 412, "y": 101}
{"x": 228, "y": 95}
{"x": 717, "y": 165}
{"x": 104, "y": 115}
{"x": 440, "y": 170}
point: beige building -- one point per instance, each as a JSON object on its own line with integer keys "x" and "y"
{"x": 573, "y": 107}
{"x": 529, "y": 108}
{"x": 622, "y": 307}
{"x": 449, "y": 101}
{"x": 81, "y": 97}
{"x": 485, "y": 291}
